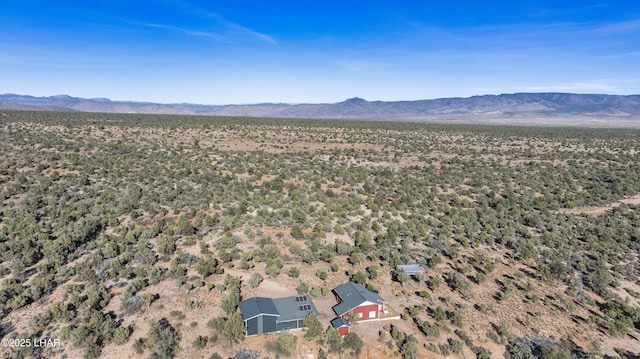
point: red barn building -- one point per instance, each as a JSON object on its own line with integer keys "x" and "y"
{"x": 356, "y": 299}
{"x": 342, "y": 326}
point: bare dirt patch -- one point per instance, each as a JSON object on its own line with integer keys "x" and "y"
{"x": 596, "y": 211}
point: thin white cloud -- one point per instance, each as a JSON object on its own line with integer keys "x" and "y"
{"x": 577, "y": 30}
{"x": 246, "y": 30}
{"x": 522, "y": 35}
{"x": 189, "y": 8}
{"x": 187, "y": 31}
{"x": 624, "y": 26}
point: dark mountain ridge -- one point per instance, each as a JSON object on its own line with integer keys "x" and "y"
{"x": 517, "y": 107}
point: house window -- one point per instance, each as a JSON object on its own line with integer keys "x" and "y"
{"x": 372, "y": 314}
{"x": 359, "y": 315}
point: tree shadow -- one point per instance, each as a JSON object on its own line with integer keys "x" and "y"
{"x": 6, "y": 328}
{"x": 578, "y": 319}
{"x": 624, "y": 354}
{"x": 529, "y": 273}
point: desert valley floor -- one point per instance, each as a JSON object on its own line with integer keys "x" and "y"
{"x": 136, "y": 236}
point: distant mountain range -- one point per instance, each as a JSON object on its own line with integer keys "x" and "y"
{"x": 539, "y": 108}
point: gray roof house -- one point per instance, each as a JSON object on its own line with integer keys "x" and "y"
{"x": 353, "y": 297}
{"x": 265, "y": 315}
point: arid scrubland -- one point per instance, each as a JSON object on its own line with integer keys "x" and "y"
{"x": 131, "y": 235}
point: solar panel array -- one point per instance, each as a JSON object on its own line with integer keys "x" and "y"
{"x": 305, "y": 307}
{"x": 301, "y": 298}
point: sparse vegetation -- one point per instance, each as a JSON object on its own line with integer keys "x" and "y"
{"x": 107, "y": 218}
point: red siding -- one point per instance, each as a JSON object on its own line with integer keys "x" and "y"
{"x": 364, "y": 309}
{"x": 344, "y": 330}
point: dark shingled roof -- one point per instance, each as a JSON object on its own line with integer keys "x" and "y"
{"x": 339, "y": 322}
{"x": 252, "y": 307}
{"x": 353, "y": 295}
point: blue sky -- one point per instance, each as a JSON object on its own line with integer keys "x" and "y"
{"x": 240, "y": 51}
